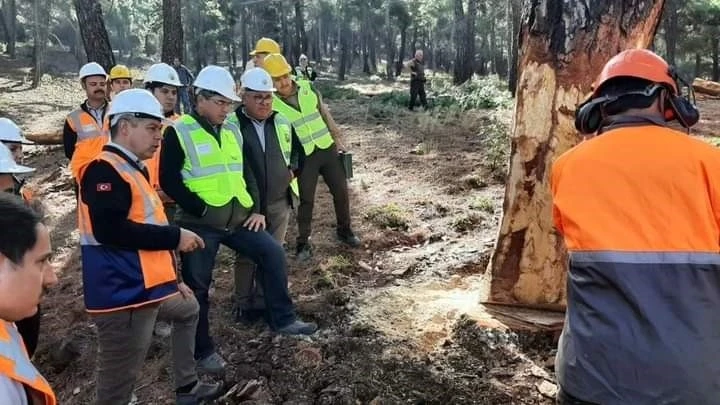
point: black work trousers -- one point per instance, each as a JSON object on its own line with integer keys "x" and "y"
{"x": 323, "y": 162}
{"x": 417, "y": 88}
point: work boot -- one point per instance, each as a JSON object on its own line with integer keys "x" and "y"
{"x": 303, "y": 252}
{"x": 298, "y": 328}
{"x": 212, "y": 364}
{"x": 201, "y": 392}
{"x": 349, "y": 238}
{"x": 249, "y": 317}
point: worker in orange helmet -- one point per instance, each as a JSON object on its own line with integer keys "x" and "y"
{"x": 638, "y": 206}
{"x": 25, "y": 269}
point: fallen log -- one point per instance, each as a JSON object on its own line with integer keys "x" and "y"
{"x": 706, "y": 87}
{"x": 46, "y": 138}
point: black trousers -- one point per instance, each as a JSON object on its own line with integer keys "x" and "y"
{"x": 29, "y": 329}
{"x": 325, "y": 163}
{"x": 417, "y": 88}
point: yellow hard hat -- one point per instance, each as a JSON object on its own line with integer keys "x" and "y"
{"x": 265, "y": 45}
{"x": 276, "y": 65}
{"x": 120, "y": 72}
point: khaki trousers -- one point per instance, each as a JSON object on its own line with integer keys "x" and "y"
{"x": 124, "y": 339}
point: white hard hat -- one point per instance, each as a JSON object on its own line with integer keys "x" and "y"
{"x": 92, "y": 69}
{"x": 257, "y": 79}
{"x": 8, "y": 165}
{"x": 214, "y": 78}
{"x": 135, "y": 101}
{"x": 9, "y": 132}
{"x": 162, "y": 73}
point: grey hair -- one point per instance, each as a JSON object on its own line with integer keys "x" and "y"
{"x": 115, "y": 122}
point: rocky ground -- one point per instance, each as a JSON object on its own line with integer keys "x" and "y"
{"x": 400, "y": 318}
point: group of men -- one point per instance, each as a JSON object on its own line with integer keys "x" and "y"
{"x": 153, "y": 186}
{"x": 637, "y": 203}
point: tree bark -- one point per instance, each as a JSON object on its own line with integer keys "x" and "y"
{"x": 514, "y": 24}
{"x": 300, "y": 36}
{"x": 671, "y": 29}
{"x": 389, "y": 46}
{"x": 94, "y": 36}
{"x": 714, "y": 44}
{"x": 173, "y": 36}
{"x": 563, "y": 47}
{"x": 9, "y": 14}
{"x": 41, "y": 22}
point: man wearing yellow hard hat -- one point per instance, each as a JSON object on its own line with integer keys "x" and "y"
{"x": 321, "y": 141}
{"x": 263, "y": 47}
{"x": 120, "y": 79}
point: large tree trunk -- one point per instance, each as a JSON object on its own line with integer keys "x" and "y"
{"x": 172, "y": 46}
{"x": 671, "y": 29}
{"x": 715, "y": 52}
{"x": 41, "y": 26}
{"x": 514, "y": 25}
{"x": 9, "y": 16}
{"x": 92, "y": 29}
{"x": 564, "y": 45}
{"x": 389, "y": 46}
{"x": 300, "y": 37}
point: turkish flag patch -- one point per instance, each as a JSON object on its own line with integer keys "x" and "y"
{"x": 104, "y": 187}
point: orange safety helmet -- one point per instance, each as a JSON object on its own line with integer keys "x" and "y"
{"x": 641, "y": 64}
{"x": 638, "y": 63}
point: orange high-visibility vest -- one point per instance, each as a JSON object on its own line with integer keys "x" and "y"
{"x": 15, "y": 364}
{"x": 91, "y": 137}
{"x": 115, "y": 279}
{"x": 153, "y": 164}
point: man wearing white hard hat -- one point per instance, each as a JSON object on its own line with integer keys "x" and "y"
{"x": 11, "y": 182}
{"x": 11, "y": 136}
{"x": 86, "y": 132}
{"x": 271, "y": 148}
{"x": 163, "y": 81}
{"x": 128, "y": 262}
{"x": 203, "y": 169}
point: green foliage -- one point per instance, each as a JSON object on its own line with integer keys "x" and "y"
{"x": 389, "y": 216}
{"x": 479, "y": 93}
{"x": 495, "y": 136}
{"x": 331, "y": 91}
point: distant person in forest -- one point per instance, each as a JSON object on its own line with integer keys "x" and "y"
{"x": 638, "y": 207}
{"x": 417, "y": 80}
{"x": 186, "y": 78}
{"x": 303, "y": 71}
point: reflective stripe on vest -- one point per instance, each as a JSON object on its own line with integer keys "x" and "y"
{"x": 114, "y": 278}
{"x": 308, "y": 123}
{"x": 16, "y": 365}
{"x": 91, "y": 138}
{"x": 212, "y": 170}
{"x": 283, "y": 131}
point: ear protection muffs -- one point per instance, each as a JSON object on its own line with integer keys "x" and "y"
{"x": 680, "y": 107}
{"x": 590, "y": 116}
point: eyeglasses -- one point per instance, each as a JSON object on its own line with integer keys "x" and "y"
{"x": 222, "y": 103}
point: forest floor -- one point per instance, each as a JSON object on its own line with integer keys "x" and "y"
{"x": 400, "y": 319}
